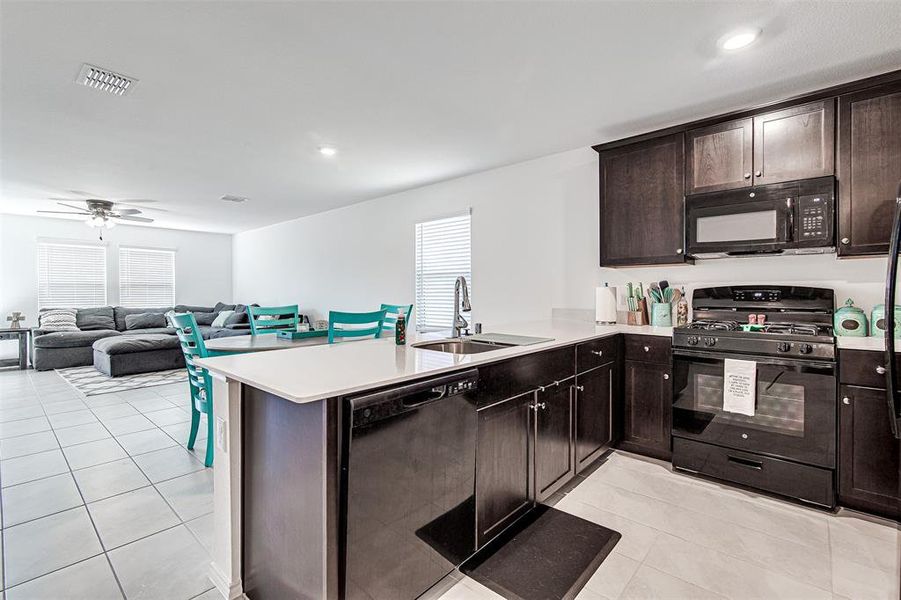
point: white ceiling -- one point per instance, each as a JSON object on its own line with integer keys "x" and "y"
{"x": 236, "y": 97}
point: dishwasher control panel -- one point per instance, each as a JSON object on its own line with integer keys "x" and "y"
{"x": 369, "y": 408}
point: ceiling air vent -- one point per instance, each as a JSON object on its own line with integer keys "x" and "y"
{"x": 105, "y": 80}
{"x": 235, "y": 199}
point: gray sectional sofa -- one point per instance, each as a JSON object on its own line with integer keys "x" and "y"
{"x": 121, "y": 341}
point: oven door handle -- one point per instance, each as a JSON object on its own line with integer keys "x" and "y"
{"x": 769, "y": 360}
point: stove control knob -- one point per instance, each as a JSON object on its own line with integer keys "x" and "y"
{"x": 805, "y": 348}
{"x": 709, "y": 341}
{"x": 783, "y": 347}
{"x": 692, "y": 340}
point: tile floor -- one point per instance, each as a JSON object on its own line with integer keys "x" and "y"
{"x": 98, "y": 496}
{"x": 683, "y": 537}
{"x": 100, "y": 499}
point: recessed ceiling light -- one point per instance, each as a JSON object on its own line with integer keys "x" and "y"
{"x": 736, "y": 40}
{"x": 328, "y": 150}
{"x": 235, "y": 199}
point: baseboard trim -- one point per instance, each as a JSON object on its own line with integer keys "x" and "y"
{"x": 229, "y": 590}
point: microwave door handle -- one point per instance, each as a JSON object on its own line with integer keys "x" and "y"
{"x": 790, "y": 222}
{"x": 889, "y": 319}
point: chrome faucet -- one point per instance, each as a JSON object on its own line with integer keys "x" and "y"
{"x": 461, "y": 324}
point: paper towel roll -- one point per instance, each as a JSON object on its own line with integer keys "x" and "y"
{"x": 605, "y": 304}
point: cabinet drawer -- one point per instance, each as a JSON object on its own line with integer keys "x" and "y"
{"x": 648, "y": 348}
{"x": 596, "y": 353}
{"x": 859, "y": 367}
{"x": 516, "y": 376}
{"x": 802, "y": 482}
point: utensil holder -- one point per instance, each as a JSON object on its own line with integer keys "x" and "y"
{"x": 636, "y": 317}
{"x": 661, "y": 314}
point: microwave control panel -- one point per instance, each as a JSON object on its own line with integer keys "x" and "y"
{"x": 814, "y": 213}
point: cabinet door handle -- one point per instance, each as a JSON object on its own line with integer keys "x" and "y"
{"x": 647, "y": 349}
{"x": 597, "y": 352}
{"x": 747, "y": 175}
{"x": 880, "y": 369}
{"x": 846, "y": 241}
{"x": 541, "y": 388}
{"x": 581, "y": 388}
{"x": 541, "y": 405}
{"x": 758, "y": 174}
{"x": 666, "y": 375}
{"x": 678, "y": 250}
{"x": 846, "y": 400}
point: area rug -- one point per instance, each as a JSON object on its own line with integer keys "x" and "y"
{"x": 91, "y": 382}
{"x": 547, "y": 555}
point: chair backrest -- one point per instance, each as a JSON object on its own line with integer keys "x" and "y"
{"x": 278, "y": 317}
{"x": 193, "y": 347}
{"x": 391, "y": 313}
{"x": 374, "y": 320}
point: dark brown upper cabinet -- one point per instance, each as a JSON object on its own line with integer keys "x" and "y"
{"x": 795, "y": 143}
{"x": 719, "y": 157}
{"x": 642, "y": 203}
{"x": 869, "y": 168}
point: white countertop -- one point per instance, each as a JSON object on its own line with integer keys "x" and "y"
{"x": 310, "y": 374}
{"x": 876, "y": 344}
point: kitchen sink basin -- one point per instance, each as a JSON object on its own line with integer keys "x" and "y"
{"x": 454, "y": 346}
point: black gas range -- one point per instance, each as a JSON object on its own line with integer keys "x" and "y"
{"x": 784, "y": 442}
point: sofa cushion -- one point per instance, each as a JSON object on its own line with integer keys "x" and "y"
{"x": 220, "y": 306}
{"x": 219, "y": 332}
{"x": 92, "y": 319}
{"x": 144, "y": 321}
{"x": 72, "y": 339}
{"x": 121, "y": 312}
{"x": 204, "y": 318}
{"x": 166, "y": 330}
{"x": 57, "y": 319}
{"x": 183, "y": 308}
{"x": 129, "y": 344}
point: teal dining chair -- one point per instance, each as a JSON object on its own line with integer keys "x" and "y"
{"x": 374, "y": 320}
{"x": 277, "y": 317}
{"x": 391, "y": 313}
{"x": 199, "y": 380}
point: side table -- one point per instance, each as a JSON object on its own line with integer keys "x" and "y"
{"x": 22, "y": 334}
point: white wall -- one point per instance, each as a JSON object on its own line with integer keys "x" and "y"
{"x": 535, "y": 247}
{"x": 203, "y": 269}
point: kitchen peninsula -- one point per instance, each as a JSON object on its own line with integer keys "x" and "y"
{"x": 283, "y": 426}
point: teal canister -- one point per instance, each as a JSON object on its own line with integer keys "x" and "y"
{"x": 850, "y": 320}
{"x": 661, "y": 314}
{"x": 877, "y": 322}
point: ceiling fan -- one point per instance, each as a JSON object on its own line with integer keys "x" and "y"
{"x": 102, "y": 213}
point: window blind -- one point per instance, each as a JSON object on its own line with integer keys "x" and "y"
{"x": 443, "y": 253}
{"x": 146, "y": 277}
{"x": 71, "y": 275}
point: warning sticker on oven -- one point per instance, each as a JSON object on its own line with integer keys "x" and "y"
{"x": 739, "y": 386}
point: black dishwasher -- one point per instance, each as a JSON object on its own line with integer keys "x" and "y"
{"x": 409, "y": 484}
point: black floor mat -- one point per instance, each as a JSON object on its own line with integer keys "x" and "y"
{"x": 548, "y": 555}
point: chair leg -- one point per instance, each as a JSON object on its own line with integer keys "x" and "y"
{"x": 209, "y": 440}
{"x": 195, "y": 423}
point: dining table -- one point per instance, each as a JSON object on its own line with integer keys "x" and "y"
{"x": 260, "y": 343}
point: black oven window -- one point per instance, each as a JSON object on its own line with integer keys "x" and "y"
{"x": 779, "y": 407}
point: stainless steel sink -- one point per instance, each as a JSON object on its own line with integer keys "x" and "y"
{"x": 455, "y": 346}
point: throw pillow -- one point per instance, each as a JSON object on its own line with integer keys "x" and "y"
{"x": 222, "y": 317}
{"x": 93, "y": 319}
{"x": 145, "y": 321}
{"x": 57, "y": 319}
{"x": 204, "y": 318}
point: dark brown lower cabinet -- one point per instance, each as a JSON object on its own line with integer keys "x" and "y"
{"x": 503, "y": 465}
{"x": 647, "y": 409}
{"x": 868, "y": 453}
{"x": 593, "y": 413}
{"x": 553, "y": 439}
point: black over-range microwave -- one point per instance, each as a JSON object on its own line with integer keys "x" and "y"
{"x": 797, "y": 217}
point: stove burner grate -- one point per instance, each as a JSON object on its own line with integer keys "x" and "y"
{"x": 714, "y": 325}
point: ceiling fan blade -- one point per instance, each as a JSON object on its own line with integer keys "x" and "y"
{"x": 134, "y": 201}
{"x": 137, "y": 219}
{"x": 81, "y": 208}
{"x": 143, "y": 207}
{"x": 128, "y": 211}
{"x": 62, "y": 212}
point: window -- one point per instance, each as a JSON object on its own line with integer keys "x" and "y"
{"x": 71, "y": 275}
{"x": 443, "y": 249}
{"x": 146, "y": 277}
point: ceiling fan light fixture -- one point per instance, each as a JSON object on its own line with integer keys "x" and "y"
{"x": 98, "y": 221}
